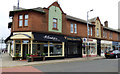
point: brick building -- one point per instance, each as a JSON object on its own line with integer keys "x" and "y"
{"x": 51, "y": 31}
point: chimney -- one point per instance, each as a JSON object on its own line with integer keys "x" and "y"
{"x": 106, "y": 23}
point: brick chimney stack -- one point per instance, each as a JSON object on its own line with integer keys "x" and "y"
{"x": 106, "y": 23}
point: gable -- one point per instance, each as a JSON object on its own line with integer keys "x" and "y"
{"x": 56, "y": 5}
{"x": 55, "y": 12}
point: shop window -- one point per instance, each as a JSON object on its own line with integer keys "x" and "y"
{"x": 11, "y": 47}
{"x": 17, "y": 41}
{"x": 17, "y": 49}
{"x": 71, "y": 28}
{"x": 72, "y": 48}
{"x": 20, "y": 20}
{"x": 25, "y": 41}
{"x": 55, "y": 23}
{"x": 38, "y": 49}
{"x": 75, "y": 28}
{"x": 55, "y": 50}
{"x": 26, "y": 20}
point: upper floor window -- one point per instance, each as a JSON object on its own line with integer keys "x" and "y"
{"x": 97, "y": 32}
{"x": 103, "y": 33}
{"x": 91, "y": 31}
{"x": 88, "y": 31}
{"x": 20, "y": 20}
{"x": 110, "y": 35}
{"x": 54, "y": 23}
{"x": 75, "y": 28}
{"x": 26, "y": 20}
{"x": 71, "y": 28}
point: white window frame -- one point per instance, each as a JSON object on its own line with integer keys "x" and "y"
{"x": 75, "y": 28}
{"x": 88, "y": 31}
{"x": 91, "y": 31}
{"x": 71, "y": 28}
{"x": 97, "y": 31}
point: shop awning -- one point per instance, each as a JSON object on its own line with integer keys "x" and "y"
{"x": 22, "y": 35}
{"x": 48, "y": 37}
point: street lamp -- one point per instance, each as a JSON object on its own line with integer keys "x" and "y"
{"x": 88, "y": 31}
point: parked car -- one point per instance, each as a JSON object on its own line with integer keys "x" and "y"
{"x": 112, "y": 54}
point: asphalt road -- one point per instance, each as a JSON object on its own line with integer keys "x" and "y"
{"x": 102, "y": 65}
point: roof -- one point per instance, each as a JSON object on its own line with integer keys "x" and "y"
{"x": 38, "y": 9}
{"x": 93, "y": 19}
{"x": 8, "y": 38}
{"x": 77, "y": 19}
{"x": 111, "y": 29}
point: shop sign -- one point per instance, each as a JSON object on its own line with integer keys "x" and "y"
{"x": 72, "y": 38}
{"x": 48, "y": 37}
{"x": 90, "y": 40}
{"x": 51, "y": 38}
{"x": 106, "y": 42}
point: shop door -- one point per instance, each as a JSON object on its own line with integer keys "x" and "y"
{"x": 99, "y": 47}
{"x": 25, "y": 50}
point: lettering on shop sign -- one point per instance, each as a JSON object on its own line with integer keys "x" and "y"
{"x": 51, "y": 38}
{"x": 74, "y": 39}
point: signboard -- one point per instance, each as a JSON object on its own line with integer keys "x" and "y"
{"x": 72, "y": 38}
{"x": 89, "y": 39}
{"x": 48, "y": 37}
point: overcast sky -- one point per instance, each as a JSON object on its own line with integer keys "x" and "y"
{"x": 105, "y": 9}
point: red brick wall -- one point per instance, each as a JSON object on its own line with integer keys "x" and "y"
{"x": 114, "y": 35}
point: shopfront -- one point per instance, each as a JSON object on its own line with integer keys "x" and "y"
{"x": 91, "y": 46}
{"x": 116, "y": 45}
{"x": 36, "y": 43}
{"x": 105, "y": 46}
{"x": 73, "y": 47}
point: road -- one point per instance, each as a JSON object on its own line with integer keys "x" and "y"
{"x": 102, "y": 65}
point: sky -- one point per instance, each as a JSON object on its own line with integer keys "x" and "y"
{"x": 106, "y": 10}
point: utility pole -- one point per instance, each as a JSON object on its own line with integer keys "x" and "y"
{"x": 88, "y": 32}
{"x": 18, "y": 4}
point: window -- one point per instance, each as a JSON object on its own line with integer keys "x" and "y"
{"x": 103, "y": 33}
{"x": 26, "y": 20}
{"x": 91, "y": 31}
{"x": 54, "y": 23}
{"x": 97, "y": 32}
{"x": 23, "y": 20}
{"x": 71, "y": 28}
{"x": 75, "y": 28}
{"x": 20, "y": 20}
{"x": 106, "y": 34}
{"x": 88, "y": 31}
{"x": 110, "y": 35}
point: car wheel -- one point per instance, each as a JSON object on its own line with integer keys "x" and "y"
{"x": 116, "y": 56}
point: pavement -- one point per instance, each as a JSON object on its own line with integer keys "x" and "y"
{"x": 7, "y": 61}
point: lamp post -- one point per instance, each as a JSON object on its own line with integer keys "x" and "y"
{"x": 88, "y": 31}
